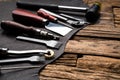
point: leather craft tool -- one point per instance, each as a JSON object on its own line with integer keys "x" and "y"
{"x": 71, "y": 22}
{"x": 36, "y": 6}
{"x": 15, "y": 27}
{"x": 32, "y": 59}
{"x": 91, "y": 13}
{"x": 74, "y": 18}
{"x": 48, "y": 53}
{"x": 70, "y": 17}
{"x": 51, "y": 18}
{"x": 24, "y": 16}
{"x": 48, "y": 43}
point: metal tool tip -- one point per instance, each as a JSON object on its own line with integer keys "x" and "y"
{"x": 56, "y": 37}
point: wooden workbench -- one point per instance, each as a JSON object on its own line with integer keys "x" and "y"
{"x": 94, "y": 52}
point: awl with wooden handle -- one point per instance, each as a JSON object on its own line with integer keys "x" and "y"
{"x": 15, "y": 27}
{"x": 47, "y": 15}
{"x": 62, "y": 19}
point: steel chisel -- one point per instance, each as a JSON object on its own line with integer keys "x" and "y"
{"x": 49, "y": 43}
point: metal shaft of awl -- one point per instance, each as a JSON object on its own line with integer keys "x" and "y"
{"x": 33, "y": 59}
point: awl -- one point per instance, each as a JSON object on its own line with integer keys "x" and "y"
{"x": 74, "y": 23}
{"x": 14, "y": 27}
{"x": 24, "y": 16}
{"x": 47, "y": 14}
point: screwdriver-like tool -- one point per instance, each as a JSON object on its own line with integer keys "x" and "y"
{"x": 45, "y": 14}
{"x": 15, "y": 27}
{"x": 71, "y": 22}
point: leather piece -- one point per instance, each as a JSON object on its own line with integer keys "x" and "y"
{"x": 9, "y": 41}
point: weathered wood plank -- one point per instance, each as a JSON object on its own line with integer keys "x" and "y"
{"x": 116, "y": 12}
{"x": 100, "y": 32}
{"x": 67, "y": 59}
{"x": 99, "y": 64}
{"x": 108, "y": 48}
{"x": 61, "y": 72}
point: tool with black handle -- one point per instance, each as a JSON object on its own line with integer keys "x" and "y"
{"x": 15, "y": 27}
{"x": 36, "y": 6}
{"x": 91, "y": 13}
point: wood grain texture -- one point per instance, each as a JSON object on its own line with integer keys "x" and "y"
{"x": 108, "y": 48}
{"x": 116, "y": 11}
{"x": 99, "y": 64}
{"x": 61, "y": 72}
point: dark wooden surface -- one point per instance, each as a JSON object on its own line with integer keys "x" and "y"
{"x": 94, "y": 52}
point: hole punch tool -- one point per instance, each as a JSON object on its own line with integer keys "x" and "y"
{"x": 48, "y": 53}
{"x": 49, "y": 43}
{"x": 24, "y": 16}
{"x": 15, "y": 27}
